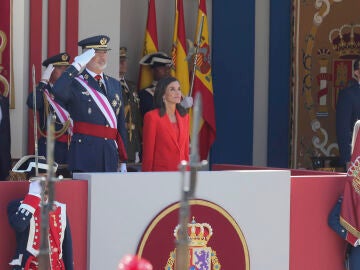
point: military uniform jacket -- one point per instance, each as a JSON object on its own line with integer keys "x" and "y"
{"x": 23, "y": 216}
{"x": 89, "y": 153}
{"x": 61, "y": 146}
{"x": 146, "y": 97}
{"x": 347, "y": 113}
{"x": 133, "y": 119}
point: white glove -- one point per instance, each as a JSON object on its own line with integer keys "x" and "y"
{"x": 187, "y": 102}
{"x": 356, "y": 243}
{"x": 45, "y": 76}
{"x": 81, "y": 60}
{"x": 123, "y": 168}
{"x": 35, "y": 188}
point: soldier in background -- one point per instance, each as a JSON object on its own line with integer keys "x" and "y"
{"x": 24, "y": 216}
{"x": 160, "y": 64}
{"x": 132, "y": 111}
{"x": 45, "y": 104}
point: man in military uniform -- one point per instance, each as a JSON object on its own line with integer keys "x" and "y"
{"x": 132, "y": 112}
{"x": 160, "y": 64}
{"x": 96, "y": 107}
{"x": 45, "y": 104}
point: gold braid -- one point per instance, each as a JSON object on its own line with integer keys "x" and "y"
{"x": 58, "y": 133}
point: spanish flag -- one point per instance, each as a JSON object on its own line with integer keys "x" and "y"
{"x": 203, "y": 83}
{"x": 180, "y": 68}
{"x": 150, "y": 45}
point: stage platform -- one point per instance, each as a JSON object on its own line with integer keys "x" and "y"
{"x": 278, "y": 217}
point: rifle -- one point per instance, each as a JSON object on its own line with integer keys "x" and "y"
{"x": 46, "y": 206}
{"x": 35, "y": 123}
{"x": 188, "y": 189}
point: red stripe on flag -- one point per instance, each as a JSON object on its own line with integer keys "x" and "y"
{"x": 151, "y": 25}
{"x": 54, "y": 11}
{"x": 72, "y": 27}
{"x": 202, "y": 6}
{"x": 150, "y": 45}
{"x": 181, "y": 26}
{"x": 207, "y": 101}
{"x": 35, "y": 49}
{"x": 206, "y": 139}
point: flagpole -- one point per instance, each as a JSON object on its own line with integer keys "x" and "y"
{"x": 197, "y": 45}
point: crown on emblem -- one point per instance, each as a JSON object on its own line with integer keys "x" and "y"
{"x": 346, "y": 40}
{"x": 198, "y": 233}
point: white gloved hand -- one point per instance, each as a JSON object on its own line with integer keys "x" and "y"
{"x": 81, "y": 60}
{"x": 35, "y": 188}
{"x": 45, "y": 76}
{"x": 123, "y": 168}
{"x": 187, "y": 102}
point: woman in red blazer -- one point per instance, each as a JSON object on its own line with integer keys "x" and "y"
{"x": 166, "y": 129}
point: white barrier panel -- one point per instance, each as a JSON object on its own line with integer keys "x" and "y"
{"x": 121, "y": 206}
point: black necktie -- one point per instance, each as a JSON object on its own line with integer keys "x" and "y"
{"x": 98, "y": 79}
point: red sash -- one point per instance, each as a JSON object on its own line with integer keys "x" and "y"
{"x": 102, "y": 132}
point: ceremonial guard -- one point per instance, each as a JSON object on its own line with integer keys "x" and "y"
{"x": 160, "y": 64}
{"x": 45, "y": 104}
{"x": 24, "y": 217}
{"x": 95, "y": 104}
{"x": 132, "y": 111}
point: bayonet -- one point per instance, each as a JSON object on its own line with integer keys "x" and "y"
{"x": 188, "y": 188}
{"x": 47, "y": 191}
{"x": 35, "y": 123}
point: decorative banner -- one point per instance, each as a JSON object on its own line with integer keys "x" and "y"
{"x": 216, "y": 240}
{"x": 326, "y": 40}
{"x": 5, "y": 51}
